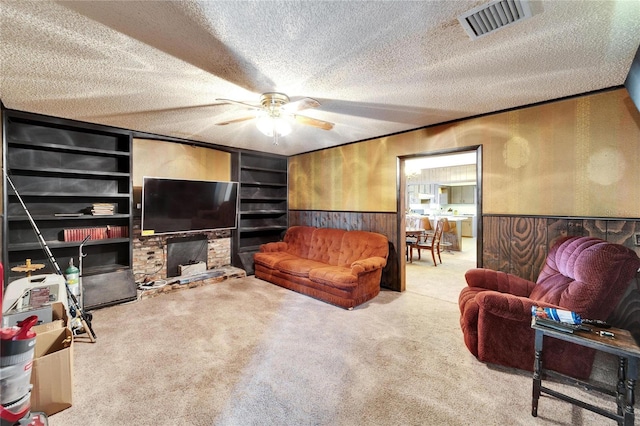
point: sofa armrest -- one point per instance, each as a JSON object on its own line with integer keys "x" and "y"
{"x": 275, "y": 246}
{"x": 369, "y": 264}
{"x": 508, "y": 306}
{"x": 499, "y": 281}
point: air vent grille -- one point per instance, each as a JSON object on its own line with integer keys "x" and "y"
{"x": 490, "y": 17}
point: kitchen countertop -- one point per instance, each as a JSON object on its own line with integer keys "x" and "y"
{"x": 458, "y": 217}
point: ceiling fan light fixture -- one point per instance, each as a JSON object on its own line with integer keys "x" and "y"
{"x": 272, "y": 126}
{"x": 274, "y": 110}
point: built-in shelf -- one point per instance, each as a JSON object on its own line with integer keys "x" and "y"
{"x": 69, "y": 195}
{"x": 262, "y": 212}
{"x": 62, "y": 168}
{"x": 261, "y": 198}
{"x": 264, "y": 228}
{"x": 39, "y": 218}
{"x": 263, "y": 204}
{"x": 57, "y": 244}
{"x": 276, "y": 185}
{"x": 44, "y": 146}
{"x": 68, "y": 172}
{"x": 264, "y": 169}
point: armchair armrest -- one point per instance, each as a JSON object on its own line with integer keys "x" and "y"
{"x": 508, "y": 306}
{"x": 275, "y": 246}
{"x": 499, "y": 281}
{"x": 369, "y": 264}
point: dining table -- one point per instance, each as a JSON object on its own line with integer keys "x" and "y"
{"x": 412, "y": 237}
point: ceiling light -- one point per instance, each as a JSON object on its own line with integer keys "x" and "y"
{"x": 269, "y": 121}
{"x": 272, "y": 126}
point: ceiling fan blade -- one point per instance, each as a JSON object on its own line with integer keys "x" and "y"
{"x": 236, "y": 120}
{"x": 325, "y": 125}
{"x": 231, "y": 101}
{"x": 300, "y": 105}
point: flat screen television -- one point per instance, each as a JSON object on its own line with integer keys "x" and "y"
{"x": 632, "y": 83}
{"x": 182, "y": 205}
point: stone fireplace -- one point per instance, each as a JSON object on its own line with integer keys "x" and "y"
{"x": 185, "y": 251}
{"x": 150, "y": 253}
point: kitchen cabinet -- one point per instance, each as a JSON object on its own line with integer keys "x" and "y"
{"x": 412, "y": 194}
{"x": 462, "y": 194}
{"x": 466, "y": 227}
{"x": 443, "y": 195}
{"x": 456, "y": 195}
{"x": 421, "y": 193}
{"x": 453, "y": 174}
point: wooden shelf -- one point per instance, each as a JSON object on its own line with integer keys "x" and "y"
{"x": 69, "y": 195}
{"x": 272, "y": 184}
{"x": 263, "y": 169}
{"x": 40, "y": 218}
{"x": 61, "y": 244}
{"x": 48, "y": 171}
{"x": 65, "y": 166}
{"x": 263, "y": 228}
{"x": 45, "y": 146}
{"x": 262, "y": 212}
{"x": 264, "y": 186}
{"x": 258, "y": 199}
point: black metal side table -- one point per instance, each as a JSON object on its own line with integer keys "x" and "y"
{"x": 621, "y": 344}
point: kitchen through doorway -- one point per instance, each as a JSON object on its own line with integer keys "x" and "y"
{"x": 443, "y": 185}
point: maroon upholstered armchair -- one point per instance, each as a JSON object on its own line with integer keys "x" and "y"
{"x": 582, "y": 274}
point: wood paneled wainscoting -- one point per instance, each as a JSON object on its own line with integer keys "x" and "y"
{"x": 519, "y": 245}
{"x": 381, "y": 222}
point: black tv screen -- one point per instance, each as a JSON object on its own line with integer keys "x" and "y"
{"x": 181, "y": 205}
{"x": 632, "y": 83}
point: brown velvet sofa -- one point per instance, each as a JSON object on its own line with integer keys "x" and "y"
{"x": 581, "y": 274}
{"x": 334, "y": 265}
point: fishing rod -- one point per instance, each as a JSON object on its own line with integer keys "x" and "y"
{"x": 75, "y": 309}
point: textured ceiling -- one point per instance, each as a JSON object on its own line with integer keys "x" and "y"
{"x": 376, "y": 67}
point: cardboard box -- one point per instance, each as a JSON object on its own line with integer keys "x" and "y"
{"x": 59, "y": 319}
{"x": 52, "y": 371}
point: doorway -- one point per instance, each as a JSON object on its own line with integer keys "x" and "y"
{"x": 434, "y": 185}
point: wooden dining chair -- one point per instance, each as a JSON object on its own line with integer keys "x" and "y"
{"x": 422, "y": 226}
{"x": 432, "y": 243}
{"x": 448, "y": 234}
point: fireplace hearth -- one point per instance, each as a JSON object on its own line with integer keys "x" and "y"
{"x": 185, "y": 251}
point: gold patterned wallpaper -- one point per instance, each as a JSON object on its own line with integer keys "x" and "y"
{"x": 575, "y": 157}
{"x": 175, "y": 160}
{"x": 180, "y": 161}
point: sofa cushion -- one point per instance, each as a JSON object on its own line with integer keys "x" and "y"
{"x": 334, "y": 276}
{"x": 358, "y": 245}
{"x": 298, "y": 239}
{"x": 298, "y": 267}
{"x": 271, "y": 259}
{"x": 325, "y": 245}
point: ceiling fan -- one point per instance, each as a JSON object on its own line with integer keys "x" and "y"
{"x": 272, "y": 112}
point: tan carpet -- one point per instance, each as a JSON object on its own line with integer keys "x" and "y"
{"x": 442, "y": 282}
{"x": 246, "y": 352}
